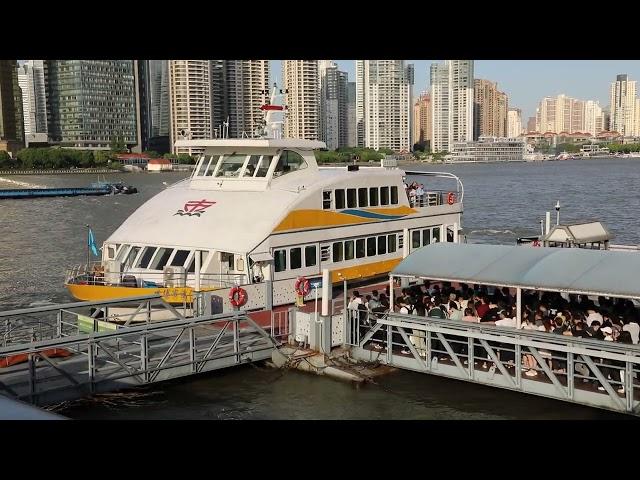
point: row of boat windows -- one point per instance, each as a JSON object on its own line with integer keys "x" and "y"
{"x": 360, "y": 197}
{"x": 153, "y": 258}
{"x": 306, "y": 256}
{"x": 241, "y": 165}
{"x": 427, "y": 235}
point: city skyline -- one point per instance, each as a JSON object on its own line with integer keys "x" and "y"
{"x": 526, "y": 82}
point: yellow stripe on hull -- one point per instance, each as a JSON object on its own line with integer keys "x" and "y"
{"x": 364, "y": 270}
{"x": 104, "y": 292}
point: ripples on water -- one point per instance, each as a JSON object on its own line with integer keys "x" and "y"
{"x": 42, "y": 237}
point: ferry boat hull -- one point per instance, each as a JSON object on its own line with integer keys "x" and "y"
{"x": 177, "y": 295}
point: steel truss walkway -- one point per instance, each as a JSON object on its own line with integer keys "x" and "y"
{"x": 588, "y": 372}
{"x": 128, "y": 356}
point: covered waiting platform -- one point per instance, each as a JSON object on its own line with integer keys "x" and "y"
{"x": 569, "y": 270}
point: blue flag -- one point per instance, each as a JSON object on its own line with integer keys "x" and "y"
{"x": 92, "y": 243}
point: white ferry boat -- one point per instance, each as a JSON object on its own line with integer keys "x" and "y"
{"x": 257, "y": 209}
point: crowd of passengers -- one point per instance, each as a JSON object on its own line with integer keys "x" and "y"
{"x": 415, "y": 193}
{"x": 564, "y": 314}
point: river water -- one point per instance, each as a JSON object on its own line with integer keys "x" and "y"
{"x": 42, "y": 237}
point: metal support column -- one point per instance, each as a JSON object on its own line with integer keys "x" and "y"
{"x": 91, "y": 366}
{"x": 144, "y": 359}
{"x": 192, "y": 349}
{"x": 518, "y": 307}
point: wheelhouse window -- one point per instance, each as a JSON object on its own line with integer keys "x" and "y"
{"x": 394, "y": 195}
{"x": 231, "y": 165}
{"x": 339, "y": 199}
{"x": 211, "y": 165}
{"x": 133, "y": 253}
{"x": 382, "y": 245}
{"x": 435, "y": 238}
{"x": 426, "y": 236}
{"x": 391, "y": 243}
{"x": 111, "y": 251}
{"x": 351, "y": 198}
{"x": 348, "y": 250}
{"x": 288, "y": 162}
{"x": 262, "y": 166}
{"x": 360, "y": 248}
{"x": 415, "y": 239}
{"x": 280, "y": 260}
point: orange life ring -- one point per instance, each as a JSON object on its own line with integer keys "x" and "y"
{"x": 302, "y": 286}
{"x": 237, "y": 296}
{"x": 451, "y": 198}
{"x": 535, "y": 243}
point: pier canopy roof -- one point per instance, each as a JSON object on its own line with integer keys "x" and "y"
{"x": 573, "y": 270}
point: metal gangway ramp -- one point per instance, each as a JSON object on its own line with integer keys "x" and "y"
{"x": 567, "y": 368}
{"x": 133, "y": 355}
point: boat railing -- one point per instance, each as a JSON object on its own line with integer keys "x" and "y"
{"x": 95, "y": 274}
{"x": 433, "y": 198}
{"x": 459, "y": 188}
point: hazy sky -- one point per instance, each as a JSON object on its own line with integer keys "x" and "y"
{"x": 526, "y": 82}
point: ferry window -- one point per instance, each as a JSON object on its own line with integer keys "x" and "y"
{"x": 450, "y": 235}
{"x": 252, "y": 165}
{"x": 161, "y": 258}
{"x": 133, "y": 253}
{"x": 415, "y": 239}
{"x": 360, "y": 250}
{"x": 363, "y": 197}
{"x": 435, "y": 235}
{"x": 122, "y": 253}
{"x": 146, "y": 257}
{"x": 371, "y": 246}
{"x": 228, "y": 258}
{"x": 280, "y": 260}
{"x": 310, "y": 257}
{"x": 231, "y": 165}
{"x": 426, "y": 236}
{"x": 348, "y": 250}
{"x": 289, "y": 161}
{"x": 373, "y": 197}
{"x": 263, "y": 166}
{"x": 111, "y": 252}
{"x": 384, "y": 195}
{"x": 326, "y": 199}
{"x": 391, "y": 243}
{"x": 210, "y": 165}
{"x": 202, "y": 165}
{"x": 382, "y": 245}
{"x": 394, "y": 195}
{"x": 351, "y": 198}
{"x": 295, "y": 258}
{"x": 339, "y": 199}
{"x": 192, "y": 265}
{"x": 179, "y": 258}
{"x": 337, "y": 251}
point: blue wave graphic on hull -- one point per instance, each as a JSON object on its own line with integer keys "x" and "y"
{"x": 378, "y": 216}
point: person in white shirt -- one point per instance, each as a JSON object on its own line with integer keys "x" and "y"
{"x": 592, "y": 314}
{"x": 634, "y": 329}
{"x": 356, "y": 300}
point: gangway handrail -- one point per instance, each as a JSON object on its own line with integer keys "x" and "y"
{"x": 460, "y": 185}
{"x": 64, "y": 306}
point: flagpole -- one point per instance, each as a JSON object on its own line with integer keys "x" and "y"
{"x": 88, "y": 252}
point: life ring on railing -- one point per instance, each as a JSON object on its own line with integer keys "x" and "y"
{"x": 302, "y": 286}
{"x": 451, "y": 198}
{"x": 237, "y": 296}
{"x": 535, "y": 243}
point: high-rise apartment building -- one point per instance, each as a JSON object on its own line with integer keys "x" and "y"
{"x": 451, "y": 103}
{"x": 352, "y": 130}
{"x": 560, "y": 114}
{"x": 11, "y": 119}
{"x": 531, "y": 124}
{"x": 91, "y": 102}
{"x": 302, "y": 98}
{"x": 514, "y": 123}
{"x": 243, "y": 86}
{"x": 333, "y": 105}
{"x": 34, "y": 101}
{"x": 422, "y": 119}
{"x": 384, "y": 104}
{"x": 624, "y": 106}
{"x": 593, "y": 118}
{"x": 190, "y": 103}
{"x": 490, "y": 107}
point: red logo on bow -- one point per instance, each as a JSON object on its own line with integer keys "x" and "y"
{"x": 194, "y": 207}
